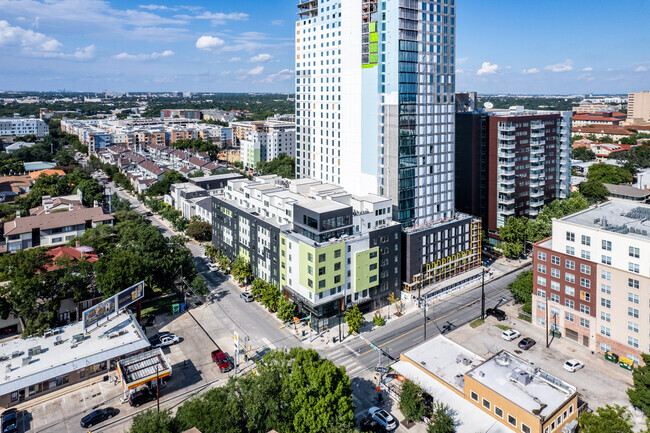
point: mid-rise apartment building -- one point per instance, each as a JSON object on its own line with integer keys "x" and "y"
{"x": 591, "y": 280}
{"x": 20, "y": 127}
{"x": 375, "y": 111}
{"x": 264, "y": 141}
{"x": 180, "y": 114}
{"x": 638, "y": 107}
{"x": 324, "y": 248}
{"x": 511, "y": 163}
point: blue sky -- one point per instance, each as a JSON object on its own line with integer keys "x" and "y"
{"x": 503, "y": 46}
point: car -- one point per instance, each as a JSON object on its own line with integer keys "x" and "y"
{"x": 384, "y": 418}
{"x": 10, "y": 421}
{"x": 526, "y": 343}
{"x": 97, "y": 416}
{"x": 371, "y": 426}
{"x": 148, "y": 213}
{"x": 158, "y": 335}
{"x": 141, "y": 397}
{"x": 573, "y": 365}
{"x": 221, "y": 359}
{"x": 165, "y": 340}
{"x": 213, "y": 267}
{"x": 510, "y": 334}
{"x": 499, "y": 314}
{"x": 247, "y": 297}
{"x": 151, "y": 320}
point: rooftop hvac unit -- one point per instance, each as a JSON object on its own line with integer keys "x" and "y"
{"x": 33, "y": 351}
{"x": 571, "y": 427}
{"x": 27, "y": 360}
{"x": 113, "y": 335}
{"x": 521, "y": 376}
{"x": 502, "y": 360}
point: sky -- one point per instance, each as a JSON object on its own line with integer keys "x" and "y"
{"x": 502, "y": 46}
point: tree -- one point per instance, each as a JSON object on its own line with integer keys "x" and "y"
{"x": 65, "y": 158}
{"x": 151, "y": 421}
{"x": 163, "y": 186}
{"x": 583, "y": 154}
{"x": 257, "y": 287}
{"x": 354, "y": 319}
{"x": 411, "y": 403}
{"x": 513, "y": 234}
{"x": 283, "y": 165}
{"x": 522, "y": 289}
{"x": 199, "y": 286}
{"x": 270, "y": 297}
{"x": 607, "y": 173}
{"x": 593, "y": 190}
{"x": 241, "y": 270}
{"x": 639, "y": 394}
{"x": 442, "y": 420}
{"x": 118, "y": 204}
{"x": 217, "y": 410}
{"x": 606, "y": 139}
{"x": 610, "y": 419}
{"x": 199, "y": 230}
{"x": 286, "y": 309}
{"x": 393, "y": 300}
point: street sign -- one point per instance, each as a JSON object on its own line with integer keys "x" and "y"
{"x": 382, "y": 370}
{"x": 236, "y": 341}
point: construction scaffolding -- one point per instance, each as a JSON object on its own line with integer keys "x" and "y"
{"x": 451, "y": 266}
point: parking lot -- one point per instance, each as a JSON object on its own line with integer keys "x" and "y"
{"x": 599, "y": 383}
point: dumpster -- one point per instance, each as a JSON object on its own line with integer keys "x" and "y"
{"x": 626, "y": 363}
{"x": 176, "y": 308}
{"x": 611, "y": 357}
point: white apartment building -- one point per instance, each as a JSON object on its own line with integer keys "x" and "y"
{"x": 595, "y": 271}
{"x": 266, "y": 140}
{"x": 20, "y": 127}
{"x": 638, "y": 106}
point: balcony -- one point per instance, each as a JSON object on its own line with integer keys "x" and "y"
{"x": 507, "y": 182}
{"x": 507, "y": 189}
{"x": 537, "y": 134}
{"x": 537, "y": 150}
{"x": 536, "y": 203}
{"x": 507, "y": 137}
{"x": 537, "y": 193}
{"x": 506, "y": 173}
{"x": 507, "y": 129}
{"x": 506, "y": 211}
{"x": 507, "y": 155}
{"x": 506, "y": 163}
{"x": 536, "y": 126}
{"x": 533, "y": 212}
{"x": 505, "y": 201}
{"x": 507, "y": 145}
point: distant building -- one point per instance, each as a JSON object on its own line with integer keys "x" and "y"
{"x": 584, "y": 119}
{"x": 20, "y": 127}
{"x": 264, "y": 141}
{"x": 628, "y": 192}
{"x": 511, "y": 163}
{"x": 638, "y": 107}
{"x": 17, "y": 145}
{"x": 600, "y": 131}
{"x": 180, "y": 113}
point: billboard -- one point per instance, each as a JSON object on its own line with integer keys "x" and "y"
{"x": 96, "y": 313}
{"x": 113, "y": 304}
{"x": 128, "y": 296}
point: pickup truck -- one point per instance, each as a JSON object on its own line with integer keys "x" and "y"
{"x": 221, "y": 359}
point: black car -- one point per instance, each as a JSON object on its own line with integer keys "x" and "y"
{"x": 499, "y": 314}
{"x": 370, "y": 425}
{"x": 10, "y": 421}
{"x": 151, "y": 320}
{"x": 97, "y": 416}
{"x": 141, "y": 397}
{"x": 526, "y": 343}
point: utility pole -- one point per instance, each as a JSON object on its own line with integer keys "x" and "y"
{"x": 546, "y": 321}
{"x": 341, "y": 308}
{"x": 483, "y": 293}
{"x": 157, "y": 388}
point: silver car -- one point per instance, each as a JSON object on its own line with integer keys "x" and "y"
{"x": 384, "y": 418}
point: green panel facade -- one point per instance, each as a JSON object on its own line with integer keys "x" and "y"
{"x": 366, "y": 269}
{"x": 322, "y": 268}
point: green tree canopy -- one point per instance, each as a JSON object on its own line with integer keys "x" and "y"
{"x": 522, "y": 289}
{"x": 163, "y": 186}
{"x": 593, "y": 190}
{"x": 610, "y": 419}
{"x": 583, "y": 154}
{"x": 283, "y": 166}
{"x": 411, "y": 402}
{"x": 639, "y": 394}
{"x": 354, "y": 318}
{"x": 152, "y": 421}
{"x": 199, "y": 230}
{"x": 607, "y": 173}
{"x": 442, "y": 420}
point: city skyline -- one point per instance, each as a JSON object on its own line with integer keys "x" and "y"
{"x": 118, "y": 46}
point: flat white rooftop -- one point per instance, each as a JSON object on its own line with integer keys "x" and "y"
{"x": 67, "y": 349}
{"x": 625, "y": 217}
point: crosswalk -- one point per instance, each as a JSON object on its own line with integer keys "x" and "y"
{"x": 346, "y": 357}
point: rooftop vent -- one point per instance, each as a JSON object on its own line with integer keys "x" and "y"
{"x": 33, "y": 351}
{"x": 521, "y": 376}
{"x": 502, "y": 360}
{"x": 27, "y": 360}
{"x": 462, "y": 359}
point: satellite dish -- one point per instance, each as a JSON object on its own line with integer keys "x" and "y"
{"x": 488, "y": 105}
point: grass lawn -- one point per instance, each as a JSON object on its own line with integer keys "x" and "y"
{"x": 503, "y": 327}
{"x": 476, "y": 323}
{"x": 160, "y": 306}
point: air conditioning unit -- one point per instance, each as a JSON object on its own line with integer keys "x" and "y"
{"x": 571, "y": 427}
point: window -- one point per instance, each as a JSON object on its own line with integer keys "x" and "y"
{"x": 584, "y": 309}
{"x": 586, "y": 240}
{"x": 569, "y": 290}
{"x": 337, "y": 254}
{"x": 570, "y": 264}
{"x": 571, "y": 251}
{"x": 321, "y": 258}
{"x": 486, "y": 404}
{"x": 585, "y": 269}
{"x": 606, "y": 288}
{"x": 633, "y": 297}
{"x": 541, "y": 256}
{"x": 634, "y": 327}
{"x": 541, "y": 306}
{"x": 310, "y": 270}
{"x": 605, "y": 303}
{"x": 337, "y": 279}
{"x": 607, "y": 245}
{"x": 585, "y": 254}
{"x": 498, "y": 411}
{"x": 633, "y": 342}
{"x": 584, "y": 282}
{"x": 569, "y": 303}
{"x": 584, "y": 323}
{"x": 321, "y": 270}
{"x": 372, "y": 254}
{"x": 606, "y": 260}
{"x": 631, "y": 282}
{"x": 541, "y": 269}
{"x": 571, "y": 237}
{"x": 606, "y": 317}
{"x": 585, "y": 296}
{"x": 473, "y": 396}
{"x": 632, "y": 267}
{"x": 555, "y": 273}
{"x": 541, "y": 281}
{"x": 605, "y": 347}
{"x": 555, "y": 260}
{"x": 555, "y": 298}
{"x": 310, "y": 283}
{"x": 541, "y": 293}
{"x": 570, "y": 278}
{"x": 607, "y": 332}
{"x": 606, "y": 275}
{"x": 321, "y": 284}
{"x": 555, "y": 286}
{"x": 310, "y": 257}
{"x": 634, "y": 252}
{"x": 512, "y": 420}
{"x": 525, "y": 428}
{"x": 569, "y": 317}
{"x": 633, "y": 312}
{"x": 337, "y": 266}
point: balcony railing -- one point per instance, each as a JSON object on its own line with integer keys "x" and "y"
{"x": 507, "y": 145}
{"x": 506, "y": 201}
{"x": 507, "y": 137}
{"x": 507, "y": 129}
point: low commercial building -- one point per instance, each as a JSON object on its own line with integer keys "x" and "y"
{"x": 20, "y": 127}
{"x": 591, "y": 279}
{"x": 504, "y": 393}
{"x": 63, "y": 356}
{"x": 628, "y": 192}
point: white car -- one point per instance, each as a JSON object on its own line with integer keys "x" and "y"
{"x": 384, "y": 418}
{"x": 510, "y": 334}
{"x": 165, "y": 340}
{"x": 573, "y": 365}
{"x": 213, "y": 266}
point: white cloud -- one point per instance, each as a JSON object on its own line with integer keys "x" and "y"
{"x": 641, "y": 69}
{"x": 28, "y": 40}
{"x": 487, "y": 68}
{"x": 157, "y": 7}
{"x": 256, "y": 71}
{"x": 285, "y": 74}
{"x": 235, "y": 59}
{"x": 85, "y": 53}
{"x": 217, "y": 18}
{"x": 261, "y": 58}
{"x": 152, "y": 56}
{"x": 209, "y": 43}
{"x": 277, "y": 22}
{"x": 461, "y": 60}
{"x": 561, "y": 67}
{"x": 530, "y": 71}
{"x": 587, "y": 69}
{"x": 586, "y": 77}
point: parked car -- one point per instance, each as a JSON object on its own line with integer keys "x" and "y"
{"x": 97, "y": 416}
{"x": 151, "y": 320}
{"x": 158, "y": 335}
{"x": 526, "y": 343}
{"x": 499, "y": 314}
{"x": 221, "y": 359}
{"x": 247, "y": 297}
{"x": 10, "y": 421}
{"x": 148, "y": 213}
{"x": 164, "y": 340}
{"x": 141, "y": 397}
{"x": 213, "y": 267}
{"x": 368, "y": 424}
{"x": 384, "y": 418}
{"x": 573, "y": 365}
{"x": 510, "y": 334}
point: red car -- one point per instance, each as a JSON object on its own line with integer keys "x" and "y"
{"x": 222, "y": 360}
